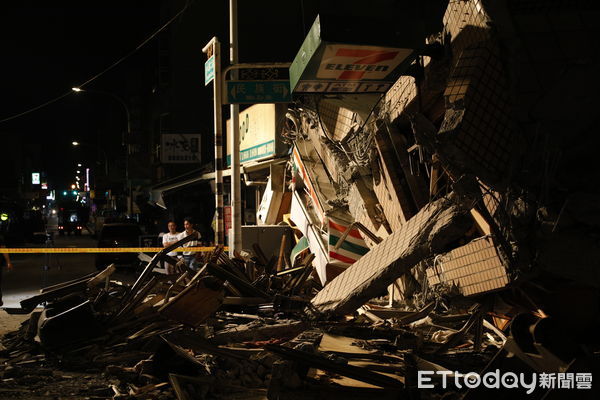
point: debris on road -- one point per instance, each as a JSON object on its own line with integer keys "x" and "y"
{"x": 446, "y": 224}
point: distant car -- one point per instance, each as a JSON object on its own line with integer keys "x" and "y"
{"x": 107, "y": 216}
{"x": 118, "y": 235}
{"x": 69, "y": 221}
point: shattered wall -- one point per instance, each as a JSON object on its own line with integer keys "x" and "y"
{"x": 498, "y": 108}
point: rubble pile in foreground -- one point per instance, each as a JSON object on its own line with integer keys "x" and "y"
{"x": 446, "y": 226}
{"x": 216, "y": 333}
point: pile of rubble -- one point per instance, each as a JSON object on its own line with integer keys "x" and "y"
{"x": 442, "y": 228}
{"x": 239, "y": 329}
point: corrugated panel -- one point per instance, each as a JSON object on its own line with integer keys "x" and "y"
{"x": 475, "y": 268}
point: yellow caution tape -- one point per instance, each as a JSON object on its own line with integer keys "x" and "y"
{"x": 62, "y": 250}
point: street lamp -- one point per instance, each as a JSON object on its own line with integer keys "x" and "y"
{"x": 114, "y": 96}
{"x": 128, "y": 115}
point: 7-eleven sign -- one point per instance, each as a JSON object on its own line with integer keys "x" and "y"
{"x": 355, "y": 62}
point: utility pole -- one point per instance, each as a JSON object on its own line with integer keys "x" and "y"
{"x": 213, "y": 50}
{"x": 235, "y": 244}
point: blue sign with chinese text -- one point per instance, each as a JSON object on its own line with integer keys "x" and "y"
{"x": 254, "y": 92}
{"x": 209, "y": 70}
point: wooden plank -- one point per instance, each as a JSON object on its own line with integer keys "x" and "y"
{"x": 242, "y": 285}
{"x": 146, "y": 273}
{"x": 315, "y": 360}
{"x": 199, "y": 345}
{"x": 136, "y": 299}
{"x": 243, "y": 301}
{"x": 149, "y": 303}
{"x": 195, "y": 303}
{"x": 258, "y": 252}
{"x": 30, "y": 303}
{"x": 178, "y": 387}
{"x": 63, "y": 284}
{"x": 101, "y": 277}
{"x": 280, "y": 261}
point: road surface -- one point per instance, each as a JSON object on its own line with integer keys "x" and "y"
{"x": 32, "y": 272}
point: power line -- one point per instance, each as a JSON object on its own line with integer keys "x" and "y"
{"x": 54, "y": 100}
{"x": 98, "y": 75}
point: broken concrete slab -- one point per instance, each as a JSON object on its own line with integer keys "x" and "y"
{"x": 428, "y": 232}
{"x": 474, "y": 268}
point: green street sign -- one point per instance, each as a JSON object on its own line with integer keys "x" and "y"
{"x": 254, "y": 92}
{"x": 209, "y": 70}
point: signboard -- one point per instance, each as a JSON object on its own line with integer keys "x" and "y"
{"x": 260, "y": 125}
{"x": 324, "y": 65}
{"x": 264, "y": 74}
{"x": 209, "y": 70}
{"x": 180, "y": 148}
{"x": 254, "y": 92}
{"x": 354, "y": 62}
{"x": 35, "y": 178}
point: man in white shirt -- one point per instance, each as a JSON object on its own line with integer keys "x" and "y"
{"x": 168, "y": 239}
{"x": 189, "y": 257}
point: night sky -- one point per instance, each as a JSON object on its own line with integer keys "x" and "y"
{"x": 48, "y": 49}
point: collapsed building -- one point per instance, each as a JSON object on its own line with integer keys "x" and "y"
{"x": 441, "y": 206}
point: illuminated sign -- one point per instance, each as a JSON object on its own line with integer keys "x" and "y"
{"x": 260, "y": 125}
{"x": 325, "y": 64}
{"x": 345, "y": 62}
{"x": 35, "y": 178}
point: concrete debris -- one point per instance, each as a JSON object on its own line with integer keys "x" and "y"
{"x": 474, "y": 268}
{"x": 445, "y": 222}
{"x": 429, "y": 232}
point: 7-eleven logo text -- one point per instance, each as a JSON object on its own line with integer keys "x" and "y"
{"x": 358, "y": 63}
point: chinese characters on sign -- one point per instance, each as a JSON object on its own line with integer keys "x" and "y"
{"x": 264, "y": 74}
{"x": 209, "y": 70}
{"x": 322, "y": 86}
{"x": 180, "y": 148}
{"x": 251, "y": 92}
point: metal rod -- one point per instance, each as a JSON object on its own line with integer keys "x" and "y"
{"x": 215, "y": 45}
{"x": 236, "y": 201}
